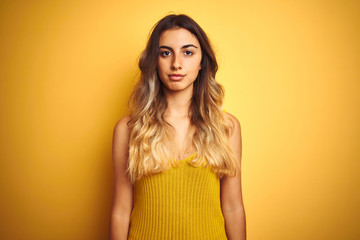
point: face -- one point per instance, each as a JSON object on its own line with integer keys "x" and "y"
{"x": 179, "y": 61}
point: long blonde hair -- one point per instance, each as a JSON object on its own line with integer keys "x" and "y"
{"x": 148, "y": 151}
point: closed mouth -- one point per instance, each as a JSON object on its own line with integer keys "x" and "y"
{"x": 176, "y": 75}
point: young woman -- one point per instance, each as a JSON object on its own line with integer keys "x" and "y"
{"x": 177, "y": 155}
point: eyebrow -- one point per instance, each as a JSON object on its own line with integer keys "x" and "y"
{"x": 185, "y": 46}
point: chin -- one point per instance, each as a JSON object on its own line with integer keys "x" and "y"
{"x": 177, "y": 86}
{"x": 174, "y": 89}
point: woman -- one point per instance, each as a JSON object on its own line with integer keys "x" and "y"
{"x": 177, "y": 155}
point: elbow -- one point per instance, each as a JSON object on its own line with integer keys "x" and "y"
{"x": 234, "y": 209}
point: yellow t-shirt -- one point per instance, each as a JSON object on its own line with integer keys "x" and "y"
{"x": 181, "y": 203}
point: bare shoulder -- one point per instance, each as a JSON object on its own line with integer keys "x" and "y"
{"x": 121, "y": 129}
{"x": 121, "y": 136}
{"x": 234, "y": 122}
{"x": 122, "y": 125}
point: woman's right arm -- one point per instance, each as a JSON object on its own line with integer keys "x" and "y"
{"x": 123, "y": 189}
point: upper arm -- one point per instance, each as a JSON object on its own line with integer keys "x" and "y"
{"x": 231, "y": 191}
{"x": 123, "y": 189}
{"x": 235, "y": 138}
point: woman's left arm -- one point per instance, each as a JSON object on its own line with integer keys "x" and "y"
{"x": 231, "y": 194}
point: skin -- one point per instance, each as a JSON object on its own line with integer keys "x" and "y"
{"x": 180, "y": 53}
{"x": 232, "y": 205}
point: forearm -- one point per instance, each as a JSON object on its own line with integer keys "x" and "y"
{"x": 119, "y": 226}
{"x": 235, "y": 224}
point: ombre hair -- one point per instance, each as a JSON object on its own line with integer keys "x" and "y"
{"x": 149, "y": 151}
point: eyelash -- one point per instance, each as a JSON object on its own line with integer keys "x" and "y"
{"x": 167, "y": 53}
{"x": 164, "y": 53}
{"x": 190, "y": 52}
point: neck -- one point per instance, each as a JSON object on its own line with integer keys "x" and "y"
{"x": 178, "y": 103}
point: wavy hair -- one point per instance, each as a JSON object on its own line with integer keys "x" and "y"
{"x": 149, "y": 151}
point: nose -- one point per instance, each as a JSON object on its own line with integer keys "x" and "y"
{"x": 177, "y": 63}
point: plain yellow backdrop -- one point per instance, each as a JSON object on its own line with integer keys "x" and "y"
{"x": 291, "y": 74}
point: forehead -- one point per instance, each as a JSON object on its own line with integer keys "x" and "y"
{"x": 177, "y": 37}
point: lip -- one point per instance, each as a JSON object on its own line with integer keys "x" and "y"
{"x": 176, "y": 77}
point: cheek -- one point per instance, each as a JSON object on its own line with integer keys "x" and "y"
{"x": 159, "y": 69}
{"x": 197, "y": 65}
{"x": 161, "y": 66}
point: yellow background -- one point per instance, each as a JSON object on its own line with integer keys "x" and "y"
{"x": 291, "y": 74}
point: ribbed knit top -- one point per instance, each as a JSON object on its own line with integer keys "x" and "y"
{"x": 181, "y": 203}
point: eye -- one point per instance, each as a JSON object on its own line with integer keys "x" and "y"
{"x": 188, "y": 53}
{"x": 165, "y": 53}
